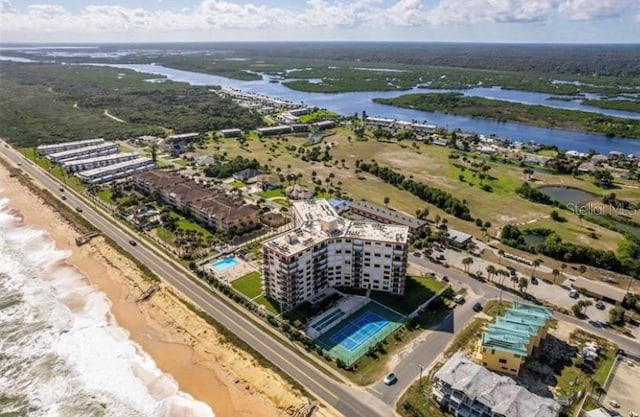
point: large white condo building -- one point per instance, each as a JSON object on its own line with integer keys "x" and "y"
{"x": 66, "y": 146}
{"x": 325, "y": 250}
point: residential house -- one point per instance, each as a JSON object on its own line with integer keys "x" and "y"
{"x": 466, "y": 389}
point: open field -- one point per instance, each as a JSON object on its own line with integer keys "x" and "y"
{"x": 429, "y": 164}
{"x": 417, "y": 291}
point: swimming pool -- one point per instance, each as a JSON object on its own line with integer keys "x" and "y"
{"x": 225, "y": 263}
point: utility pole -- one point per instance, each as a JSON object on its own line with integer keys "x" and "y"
{"x": 420, "y": 380}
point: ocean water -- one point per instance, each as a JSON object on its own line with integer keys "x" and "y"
{"x": 61, "y": 352}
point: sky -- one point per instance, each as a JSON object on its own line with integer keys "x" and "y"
{"x": 544, "y": 21}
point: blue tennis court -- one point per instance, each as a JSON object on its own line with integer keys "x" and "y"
{"x": 355, "y": 335}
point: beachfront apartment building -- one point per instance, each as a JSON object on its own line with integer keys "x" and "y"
{"x": 325, "y": 250}
{"x": 66, "y": 146}
{"x": 213, "y": 209}
{"x": 115, "y": 171}
{"x": 509, "y": 341}
{"x": 106, "y": 148}
{"x": 100, "y": 161}
{"x": 466, "y": 389}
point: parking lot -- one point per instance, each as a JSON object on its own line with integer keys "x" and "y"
{"x": 625, "y": 381}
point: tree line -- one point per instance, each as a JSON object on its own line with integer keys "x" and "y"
{"x": 435, "y": 196}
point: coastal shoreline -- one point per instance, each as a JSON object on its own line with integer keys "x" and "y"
{"x": 205, "y": 366}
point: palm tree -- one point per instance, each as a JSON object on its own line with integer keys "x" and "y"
{"x": 555, "y": 274}
{"x": 503, "y": 274}
{"x": 563, "y": 266}
{"x": 491, "y": 270}
{"x": 536, "y": 263}
{"x": 523, "y": 283}
{"x": 467, "y": 262}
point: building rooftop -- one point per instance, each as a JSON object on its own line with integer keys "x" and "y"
{"x": 99, "y": 159}
{"x": 79, "y": 151}
{"x": 318, "y": 221}
{"x": 458, "y": 236}
{"x": 393, "y": 216}
{"x": 602, "y": 288}
{"x": 183, "y": 136}
{"x": 74, "y": 143}
{"x": 115, "y": 167}
{"x": 506, "y": 340}
{"x": 500, "y": 393}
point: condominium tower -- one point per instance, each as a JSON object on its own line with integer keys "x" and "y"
{"x": 326, "y": 250}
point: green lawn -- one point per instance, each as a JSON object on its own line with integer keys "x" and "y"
{"x": 270, "y": 305}
{"x": 250, "y": 285}
{"x": 165, "y": 235}
{"x": 237, "y": 184}
{"x": 278, "y": 192}
{"x": 105, "y": 195}
{"x": 282, "y": 201}
{"x": 54, "y": 169}
{"x": 417, "y": 291}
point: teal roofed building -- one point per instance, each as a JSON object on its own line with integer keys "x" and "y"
{"x": 508, "y": 341}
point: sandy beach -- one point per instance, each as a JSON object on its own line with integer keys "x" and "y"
{"x": 182, "y": 344}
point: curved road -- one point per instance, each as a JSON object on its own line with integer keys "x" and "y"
{"x": 349, "y": 401}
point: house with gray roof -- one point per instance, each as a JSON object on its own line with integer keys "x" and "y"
{"x": 466, "y": 389}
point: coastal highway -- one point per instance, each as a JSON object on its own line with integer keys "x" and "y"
{"x": 349, "y": 401}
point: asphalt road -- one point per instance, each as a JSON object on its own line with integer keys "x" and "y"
{"x": 376, "y": 400}
{"x": 424, "y": 354}
{"x": 350, "y": 401}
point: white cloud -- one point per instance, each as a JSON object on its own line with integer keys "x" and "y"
{"x": 590, "y": 9}
{"x": 212, "y": 15}
{"x": 503, "y": 11}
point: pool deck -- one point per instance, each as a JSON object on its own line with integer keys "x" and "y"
{"x": 231, "y": 273}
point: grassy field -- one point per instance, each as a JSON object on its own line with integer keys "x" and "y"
{"x": 429, "y": 164}
{"x": 278, "y": 192}
{"x": 249, "y": 285}
{"x": 417, "y": 291}
{"x": 54, "y": 169}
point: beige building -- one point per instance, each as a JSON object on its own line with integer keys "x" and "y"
{"x": 325, "y": 250}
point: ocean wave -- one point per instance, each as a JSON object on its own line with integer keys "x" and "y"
{"x": 61, "y": 351}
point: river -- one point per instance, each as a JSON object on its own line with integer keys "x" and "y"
{"x": 356, "y": 102}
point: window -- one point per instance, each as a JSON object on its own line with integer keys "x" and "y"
{"x": 502, "y": 360}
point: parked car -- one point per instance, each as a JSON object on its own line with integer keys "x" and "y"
{"x": 614, "y": 404}
{"x": 390, "y": 379}
{"x": 477, "y": 307}
{"x": 445, "y": 279}
{"x": 534, "y": 280}
{"x": 440, "y": 257}
{"x": 458, "y": 299}
{"x": 417, "y": 254}
{"x": 574, "y": 294}
{"x": 600, "y": 305}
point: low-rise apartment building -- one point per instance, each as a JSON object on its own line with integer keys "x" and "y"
{"x": 510, "y": 340}
{"x": 213, "y": 209}
{"x": 466, "y": 389}
{"x": 66, "y": 146}
{"x": 325, "y": 250}
{"x": 385, "y": 215}
{"x": 100, "y": 161}
{"x": 106, "y": 148}
{"x": 115, "y": 171}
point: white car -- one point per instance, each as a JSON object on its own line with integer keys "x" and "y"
{"x": 574, "y": 294}
{"x": 458, "y": 299}
{"x": 390, "y": 379}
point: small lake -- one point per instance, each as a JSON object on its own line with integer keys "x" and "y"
{"x": 567, "y": 195}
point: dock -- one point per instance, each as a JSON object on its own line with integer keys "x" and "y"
{"x": 81, "y": 240}
{"x": 148, "y": 293}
